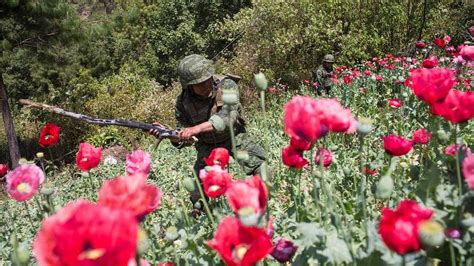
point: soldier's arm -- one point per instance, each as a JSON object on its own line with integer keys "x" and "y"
{"x": 229, "y": 113}
{"x": 181, "y": 123}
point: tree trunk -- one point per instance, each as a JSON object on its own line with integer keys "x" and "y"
{"x": 8, "y": 123}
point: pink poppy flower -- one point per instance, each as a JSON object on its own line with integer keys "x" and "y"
{"x": 131, "y": 193}
{"x": 23, "y": 182}
{"x": 250, "y": 193}
{"x": 468, "y": 170}
{"x": 138, "y": 162}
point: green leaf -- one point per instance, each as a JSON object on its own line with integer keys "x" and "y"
{"x": 310, "y": 233}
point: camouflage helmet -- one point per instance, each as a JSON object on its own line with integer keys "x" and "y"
{"x": 194, "y": 69}
{"x": 328, "y": 58}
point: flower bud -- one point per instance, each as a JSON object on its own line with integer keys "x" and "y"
{"x": 431, "y": 234}
{"x": 22, "y": 255}
{"x": 197, "y": 205}
{"x": 178, "y": 214}
{"x": 47, "y": 189}
{"x": 347, "y": 171}
{"x": 261, "y": 81}
{"x": 443, "y": 135}
{"x": 468, "y": 222}
{"x": 189, "y": 184}
{"x": 284, "y": 250}
{"x": 39, "y": 155}
{"x": 453, "y": 233}
{"x": 384, "y": 187}
{"x": 171, "y": 233}
{"x": 22, "y": 161}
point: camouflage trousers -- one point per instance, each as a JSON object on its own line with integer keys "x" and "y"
{"x": 243, "y": 142}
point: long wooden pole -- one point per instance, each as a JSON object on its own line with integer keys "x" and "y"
{"x": 164, "y": 132}
{"x": 8, "y": 124}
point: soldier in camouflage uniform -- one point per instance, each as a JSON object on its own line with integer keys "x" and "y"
{"x": 323, "y": 74}
{"x": 201, "y": 113}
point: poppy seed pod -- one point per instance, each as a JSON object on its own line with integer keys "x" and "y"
{"x": 384, "y": 187}
{"x": 261, "y": 81}
{"x": 230, "y": 97}
{"x": 189, "y": 184}
{"x": 172, "y": 233}
{"x": 431, "y": 234}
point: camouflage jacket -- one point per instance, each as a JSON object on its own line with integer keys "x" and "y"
{"x": 323, "y": 77}
{"x": 192, "y": 109}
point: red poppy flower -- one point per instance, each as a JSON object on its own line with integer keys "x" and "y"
{"x": 370, "y": 172}
{"x": 300, "y": 145}
{"x": 240, "y": 245}
{"x": 468, "y": 170}
{"x": 49, "y": 135}
{"x": 83, "y": 233}
{"x": 378, "y": 78}
{"x": 395, "y": 103}
{"x": 3, "y": 169}
{"x": 347, "y": 79}
{"x": 367, "y": 72}
{"x": 326, "y": 156}
{"x": 420, "y": 44}
{"x": 131, "y": 193}
{"x": 421, "y": 136}
{"x": 251, "y": 194}
{"x": 467, "y": 52}
{"x": 88, "y": 156}
{"x": 457, "y": 107}
{"x": 332, "y": 114}
{"x": 306, "y": 82}
{"x": 302, "y": 108}
{"x": 439, "y": 42}
{"x": 23, "y": 182}
{"x": 138, "y": 162}
{"x": 399, "y": 228}
{"x": 355, "y": 73}
{"x": 431, "y": 85}
{"x": 218, "y": 156}
{"x": 430, "y": 62}
{"x": 397, "y": 146}
{"x": 315, "y": 85}
{"x": 293, "y": 158}
{"x": 215, "y": 181}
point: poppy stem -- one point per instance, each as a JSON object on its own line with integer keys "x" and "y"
{"x": 458, "y": 167}
{"x": 317, "y": 196}
{"x": 204, "y": 201}
{"x": 404, "y": 260}
{"x": 262, "y": 101}
{"x": 451, "y": 253}
{"x": 28, "y": 214}
{"x": 363, "y": 185}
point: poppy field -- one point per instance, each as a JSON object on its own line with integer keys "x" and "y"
{"x": 380, "y": 172}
